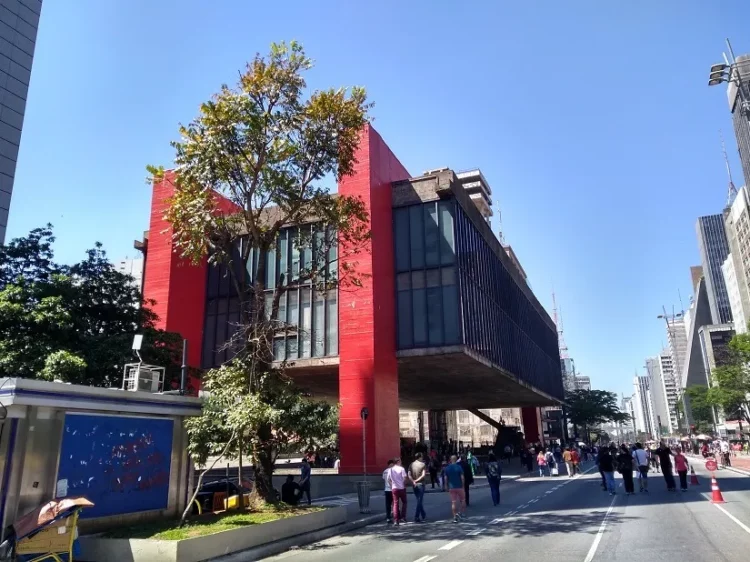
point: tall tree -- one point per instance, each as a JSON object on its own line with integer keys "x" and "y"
{"x": 731, "y": 380}
{"x": 591, "y": 408}
{"x": 74, "y": 323}
{"x": 265, "y": 147}
{"x": 701, "y": 408}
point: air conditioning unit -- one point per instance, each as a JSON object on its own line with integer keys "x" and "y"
{"x": 139, "y": 377}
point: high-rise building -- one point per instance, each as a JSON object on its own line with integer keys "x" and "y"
{"x": 714, "y": 249}
{"x": 19, "y": 20}
{"x": 677, "y": 339}
{"x": 737, "y": 227}
{"x": 583, "y": 382}
{"x": 628, "y": 406}
{"x": 569, "y": 373}
{"x": 735, "y": 295}
{"x": 740, "y": 115}
{"x": 670, "y": 387}
{"x": 644, "y": 408}
{"x": 132, "y": 267}
{"x": 656, "y": 384}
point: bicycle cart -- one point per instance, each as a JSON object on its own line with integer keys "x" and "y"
{"x": 47, "y": 533}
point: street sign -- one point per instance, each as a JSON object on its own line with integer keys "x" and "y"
{"x": 711, "y": 465}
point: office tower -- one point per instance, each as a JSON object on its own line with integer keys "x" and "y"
{"x": 644, "y": 417}
{"x": 583, "y": 382}
{"x": 714, "y": 249}
{"x": 737, "y": 227}
{"x": 19, "y": 20}
{"x": 740, "y": 115}
{"x": 569, "y": 373}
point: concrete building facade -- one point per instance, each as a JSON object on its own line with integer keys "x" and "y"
{"x": 737, "y": 267}
{"x": 442, "y": 320}
{"x": 644, "y": 407}
{"x": 714, "y": 249}
{"x": 583, "y": 382}
{"x": 740, "y": 115}
{"x": 19, "y": 21}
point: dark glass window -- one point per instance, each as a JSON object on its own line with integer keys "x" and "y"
{"x": 416, "y": 236}
{"x": 401, "y": 236}
{"x": 431, "y": 235}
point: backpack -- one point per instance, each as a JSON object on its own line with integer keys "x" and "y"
{"x": 492, "y": 470}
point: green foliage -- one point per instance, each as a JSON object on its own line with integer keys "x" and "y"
{"x": 251, "y": 163}
{"x": 74, "y": 323}
{"x": 701, "y": 408}
{"x": 296, "y": 422}
{"x": 588, "y": 408}
{"x": 731, "y": 380}
{"x": 63, "y": 365}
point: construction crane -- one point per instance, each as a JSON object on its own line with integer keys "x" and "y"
{"x": 558, "y": 323}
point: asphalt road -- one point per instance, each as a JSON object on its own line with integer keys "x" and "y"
{"x": 562, "y": 519}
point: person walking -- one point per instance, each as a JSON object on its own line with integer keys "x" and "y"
{"x": 304, "y": 483}
{"x": 494, "y": 472}
{"x": 607, "y": 468}
{"x": 664, "y": 454}
{"x": 434, "y": 468}
{"x": 398, "y": 479}
{"x": 417, "y": 474}
{"x": 549, "y": 456}
{"x": 541, "y": 461}
{"x": 641, "y": 460}
{"x": 468, "y": 479}
{"x": 568, "y": 460}
{"x": 625, "y": 467}
{"x": 388, "y": 492}
{"x": 682, "y": 466}
{"x": 454, "y": 476}
{"x": 575, "y": 458}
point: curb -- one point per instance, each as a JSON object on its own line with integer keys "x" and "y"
{"x": 292, "y": 543}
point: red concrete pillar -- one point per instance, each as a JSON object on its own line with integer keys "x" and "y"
{"x": 532, "y": 424}
{"x": 177, "y": 287}
{"x": 368, "y": 371}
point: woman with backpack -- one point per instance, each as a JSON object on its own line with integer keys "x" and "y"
{"x": 494, "y": 473}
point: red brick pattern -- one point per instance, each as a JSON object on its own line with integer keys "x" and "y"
{"x": 368, "y": 371}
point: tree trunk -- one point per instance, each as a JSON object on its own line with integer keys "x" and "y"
{"x": 241, "y": 503}
{"x": 264, "y": 466}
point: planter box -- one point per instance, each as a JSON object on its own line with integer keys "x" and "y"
{"x": 96, "y": 549}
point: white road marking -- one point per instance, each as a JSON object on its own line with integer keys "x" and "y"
{"x": 476, "y": 532}
{"x": 524, "y": 506}
{"x": 733, "y": 518}
{"x": 598, "y": 539}
{"x": 451, "y": 545}
{"x": 534, "y": 500}
{"x": 548, "y": 492}
{"x": 512, "y": 513}
{"x": 496, "y": 521}
{"x": 425, "y": 558}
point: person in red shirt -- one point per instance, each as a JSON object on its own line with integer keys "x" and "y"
{"x": 576, "y": 460}
{"x": 681, "y": 464}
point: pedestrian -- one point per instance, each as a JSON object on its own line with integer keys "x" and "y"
{"x": 468, "y": 479}
{"x": 399, "y": 479}
{"x": 388, "y": 492}
{"x": 290, "y": 491}
{"x": 575, "y": 458}
{"x": 568, "y": 460}
{"x": 494, "y": 472}
{"x": 724, "y": 447}
{"x": 549, "y": 456}
{"x": 454, "y": 476}
{"x": 607, "y": 468}
{"x": 681, "y": 464}
{"x": 417, "y": 474}
{"x": 664, "y": 454}
{"x": 434, "y": 468}
{"x": 625, "y": 467}
{"x": 443, "y": 481}
{"x": 507, "y": 450}
{"x": 541, "y": 461}
{"x": 641, "y": 460}
{"x": 304, "y": 483}
{"x": 601, "y": 472}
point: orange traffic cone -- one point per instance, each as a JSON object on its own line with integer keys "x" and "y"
{"x": 716, "y": 496}
{"x": 693, "y": 477}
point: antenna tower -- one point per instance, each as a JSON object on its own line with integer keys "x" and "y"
{"x": 558, "y": 322}
{"x": 732, "y": 190}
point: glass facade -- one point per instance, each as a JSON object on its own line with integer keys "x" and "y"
{"x": 714, "y": 249}
{"x": 309, "y": 309}
{"x": 426, "y": 284}
{"x": 453, "y": 289}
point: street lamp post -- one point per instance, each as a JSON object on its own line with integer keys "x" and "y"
{"x": 729, "y": 71}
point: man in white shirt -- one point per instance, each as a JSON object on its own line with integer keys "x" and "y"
{"x": 725, "y": 453}
{"x": 398, "y": 479}
{"x": 641, "y": 459}
{"x": 388, "y": 493}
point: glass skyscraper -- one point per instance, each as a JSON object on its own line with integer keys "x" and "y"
{"x": 19, "y": 20}
{"x": 714, "y": 249}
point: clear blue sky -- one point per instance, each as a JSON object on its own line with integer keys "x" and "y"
{"x": 591, "y": 120}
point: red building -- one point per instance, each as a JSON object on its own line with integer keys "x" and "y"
{"x": 444, "y": 319}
